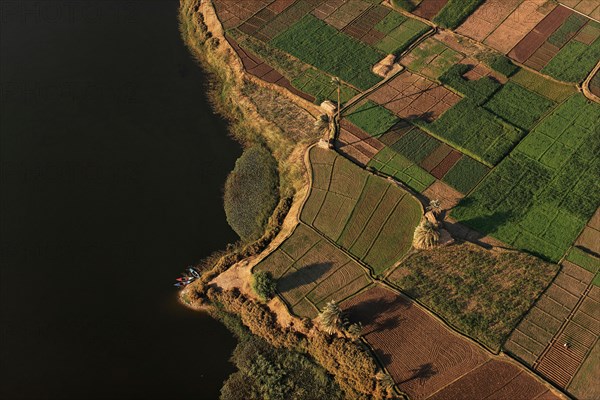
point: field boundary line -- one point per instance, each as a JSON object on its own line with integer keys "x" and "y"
{"x": 357, "y": 200}
{"x": 585, "y": 86}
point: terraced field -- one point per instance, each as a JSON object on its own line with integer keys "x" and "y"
{"x": 428, "y": 361}
{"x": 370, "y": 218}
{"x": 560, "y": 331}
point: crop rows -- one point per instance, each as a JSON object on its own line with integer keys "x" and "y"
{"x": 318, "y": 44}
{"x": 541, "y": 196}
{"x": 356, "y": 208}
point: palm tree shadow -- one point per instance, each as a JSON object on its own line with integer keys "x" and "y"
{"x": 422, "y": 373}
{"x": 303, "y": 276}
{"x": 370, "y": 313}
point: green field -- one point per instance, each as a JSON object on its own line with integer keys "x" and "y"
{"x": 540, "y": 197}
{"x": 319, "y": 84}
{"x": 482, "y": 293}
{"x": 398, "y": 37}
{"x": 465, "y": 174}
{"x": 475, "y": 131}
{"x": 431, "y": 58}
{"x": 574, "y": 61}
{"x": 365, "y": 215}
{"x": 394, "y": 164}
{"x": 519, "y": 106}
{"x": 455, "y": 12}
{"x": 478, "y": 91}
{"x": 372, "y": 118}
{"x": 554, "y": 91}
{"x": 322, "y": 46}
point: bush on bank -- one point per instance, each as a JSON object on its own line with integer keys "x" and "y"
{"x": 251, "y": 192}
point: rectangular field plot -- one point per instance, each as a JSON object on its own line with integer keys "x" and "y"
{"x": 310, "y": 271}
{"x": 431, "y": 58}
{"x": 320, "y": 85}
{"x": 475, "y": 290}
{"x": 372, "y": 118}
{"x": 356, "y": 207}
{"x": 518, "y": 105}
{"x": 410, "y": 96}
{"x": 318, "y": 44}
{"x": 540, "y": 197}
{"x": 396, "y": 165}
{"x": 402, "y": 335}
{"x": 552, "y": 90}
{"x": 400, "y": 37}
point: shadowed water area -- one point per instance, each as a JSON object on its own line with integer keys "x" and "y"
{"x": 112, "y": 167}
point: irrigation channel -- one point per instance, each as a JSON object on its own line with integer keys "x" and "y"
{"x": 112, "y": 166}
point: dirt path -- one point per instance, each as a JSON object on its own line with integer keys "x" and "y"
{"x": 585, "y": 86}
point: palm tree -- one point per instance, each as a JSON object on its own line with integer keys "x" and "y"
{"x": 426, "y": 235}
{"x": 435, "y": 206}
{"x": 354, "y": 331}
{"x": 338, "y": 82}
{"x": 331, "y": 317}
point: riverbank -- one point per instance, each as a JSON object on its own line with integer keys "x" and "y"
{"x": 259, "y": 111}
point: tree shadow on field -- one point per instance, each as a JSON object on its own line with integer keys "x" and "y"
{"x": 422, "y": 373}
{"x": 476, "y": 228}
{"x": 304, "y": 275}
{"x": 371, "y": 313}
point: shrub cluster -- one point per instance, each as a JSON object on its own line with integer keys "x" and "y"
{"x": 455, "y": 12}
{"x": 251, "y": 192}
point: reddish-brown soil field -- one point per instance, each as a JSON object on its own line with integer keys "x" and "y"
{"x": 486, "y": 18}
{"x": 444, "y": 166}
{"x": 362, "y": 27}
{"x": 233, "y": 12}
{"x": 420, "y": 353}
{"x": 357, "y": 144}
{"x": 542, "y": 31}
{"x": 255, "y": 66}
{"x": 518, "y": 24}
{"x": 496, "y": 379}
{"x": 429, "y": 8}
{"x": 590, "y": 237}
{"x": 448, "y": 196}
{"x": 411, "y": 96}
{"x": 427, "y": 360}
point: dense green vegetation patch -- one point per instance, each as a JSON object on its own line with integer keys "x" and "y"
{"x": 399, "y": 38}
{"x": 502, "y": 64}
{"x": 518, "y": 105}
{"x": 251, "y": 192}
{"x": 372, "y": 118}
{"x": 475, "y": 131}
{"x": 477, "y": 91}
{"x": 320, "y": 85}
{"x": 394, "y": 164}
{"x": 465, "y": 174}
{"x": 321, "y": 45}
{"x": 574, "y": 61}
{"x": 552, "y": 90}
{"x": 407, "y": 5}
{"x": 583, "y": 259}
{"x": 415, "y": 145}
{"x": 540, "y": 197}
{"x": 480, "y": 292}
{"x": 455, "y": 12}
{"x": 390, "y": 22}
{"x": 567, "y": 30}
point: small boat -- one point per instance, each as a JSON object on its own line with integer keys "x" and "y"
{"x": 186, "y": 279}
{"x": 179, "y": 284}
{"x": 194, "y": 273}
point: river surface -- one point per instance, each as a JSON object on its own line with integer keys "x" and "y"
{"x": 112, "y": 167}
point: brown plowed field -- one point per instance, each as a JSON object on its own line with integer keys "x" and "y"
{"x": 448, "y": 162}
{"x": 587, "y": 7}
{"x": 362, "y": 28}
{"x": 486, "y": 18}
{"x": 429, "y": 8}
{"x": 411, "y": 96}
{"x": 233, "y": 12}
{"x": 536, "y": 38}
{"x": 357, "y": 144}
{"x": 426, "y": 359}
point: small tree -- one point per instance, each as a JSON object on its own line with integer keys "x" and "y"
{"x": 354, "y": 331}
{"x": 331, "y": 317}
{"x": 264, "y": 285}
{"x": 426, "y": 235}
{"x": 435, "y": 206}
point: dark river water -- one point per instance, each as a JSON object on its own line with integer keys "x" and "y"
{"x": 112, "y": 166}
